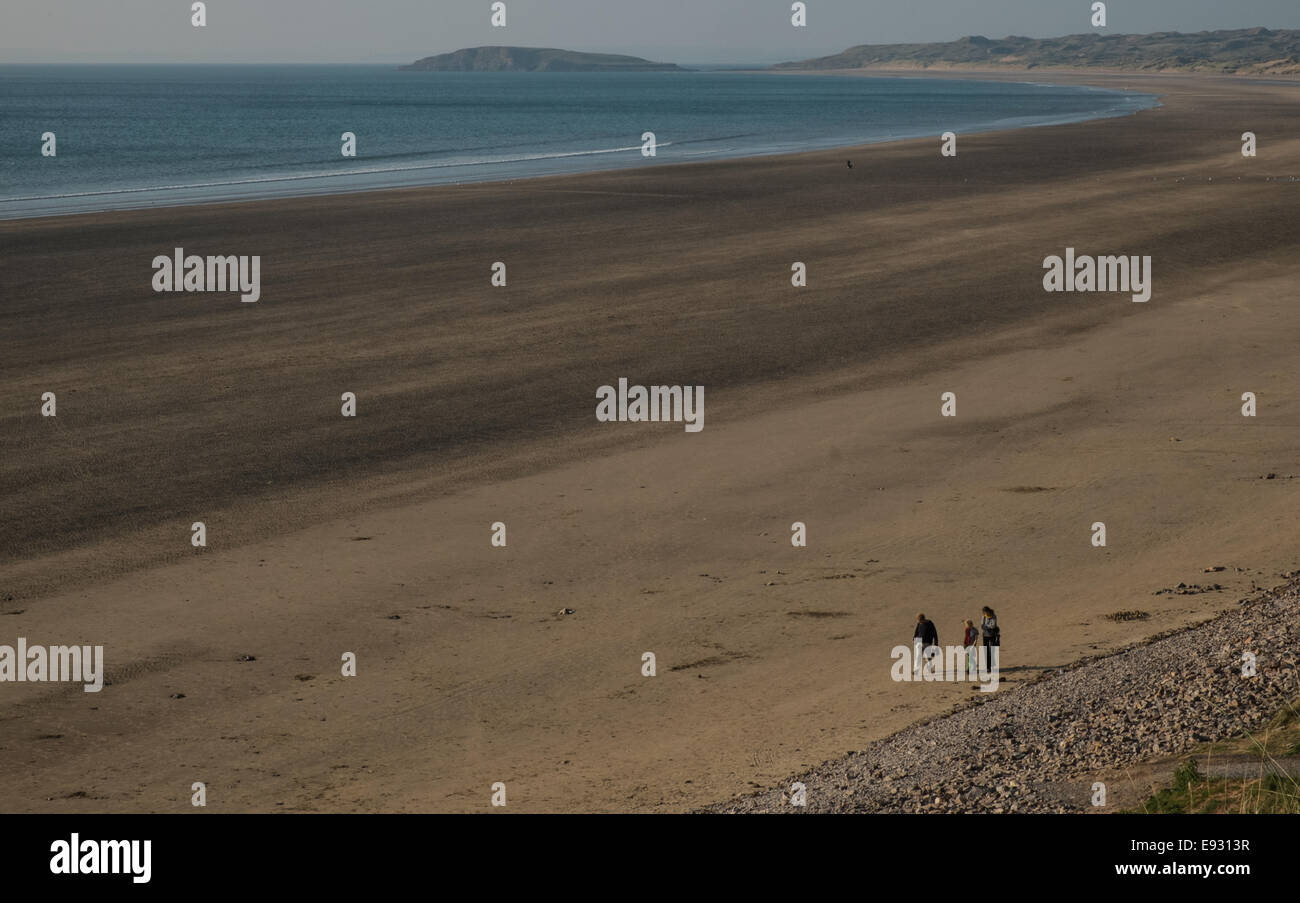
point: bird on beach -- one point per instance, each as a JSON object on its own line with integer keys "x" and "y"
{"x": 850, "y": 162}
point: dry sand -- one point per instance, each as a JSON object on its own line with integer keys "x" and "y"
{"x": 477, "y": 405}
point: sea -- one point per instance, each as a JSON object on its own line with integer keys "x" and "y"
{"x": 133, "y": 136}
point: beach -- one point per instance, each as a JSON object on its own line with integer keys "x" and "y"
{"x": 1104, "y": 735}
{"x": 475, "y": 405}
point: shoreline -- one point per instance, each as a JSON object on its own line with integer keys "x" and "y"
{"x": 8, "y": 215}
{"x": 823, "y": 407}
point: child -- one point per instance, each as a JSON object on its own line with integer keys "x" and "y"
{"x": 970, "y": 641}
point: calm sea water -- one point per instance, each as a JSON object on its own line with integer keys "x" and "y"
{"x": 139, "y": 136}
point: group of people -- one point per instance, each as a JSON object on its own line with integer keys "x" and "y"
{"x": 926, "y": 636}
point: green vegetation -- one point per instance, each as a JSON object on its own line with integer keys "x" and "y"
{"x": 1253, "y": 51}
{"x": 1268, "y": 791}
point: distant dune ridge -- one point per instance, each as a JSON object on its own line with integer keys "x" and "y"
{"x": 1245, "y": 51}
{"x": 535, "y": 59}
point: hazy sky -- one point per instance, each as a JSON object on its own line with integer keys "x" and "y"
{"x": 681, "y": 31}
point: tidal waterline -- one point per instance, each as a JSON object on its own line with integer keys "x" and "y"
{"x": 161, "y": 135}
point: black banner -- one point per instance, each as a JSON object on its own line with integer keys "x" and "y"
{"x": 331, "y": 853}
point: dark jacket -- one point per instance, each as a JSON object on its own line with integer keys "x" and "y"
{"x": 926, "y": 633}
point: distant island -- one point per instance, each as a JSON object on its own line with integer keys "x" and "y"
{"x": 1246, "y": 51}
{"x": 534, "y": 59}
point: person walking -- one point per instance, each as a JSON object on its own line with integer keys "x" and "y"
{"x": 924, "y": 638}
{"x": 992, "y": 634}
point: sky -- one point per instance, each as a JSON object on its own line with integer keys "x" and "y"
{"x": 678, "y": 31}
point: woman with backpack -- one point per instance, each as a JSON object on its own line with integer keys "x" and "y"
{"x": 992, "y": 634}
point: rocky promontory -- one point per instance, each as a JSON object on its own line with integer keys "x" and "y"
{"x": 534, "y": 59}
